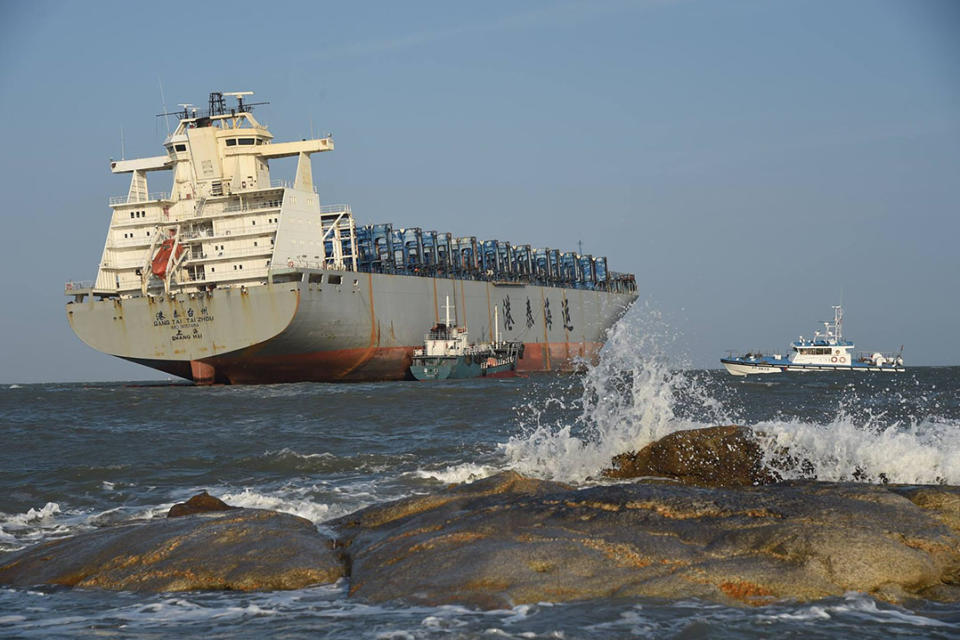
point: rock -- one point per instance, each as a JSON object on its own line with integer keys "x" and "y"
{"x": 508, "y": 540}
{"x": 203, "y": 502}
{"x": 239, "y": 549}
{"x": 727, "y": 456}
{"x": 942, "y": 502}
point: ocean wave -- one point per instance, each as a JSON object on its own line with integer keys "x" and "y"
{"x": 924, "y": 453}
{"x": 20, "y": 529}
{"x": 855, "y": 606}
{"x": 637, "y": 393}
{"x": 287, "y": 461}
{"x": 459, "y": 473}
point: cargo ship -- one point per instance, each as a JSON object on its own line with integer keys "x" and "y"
{"x": 234, "y": 277}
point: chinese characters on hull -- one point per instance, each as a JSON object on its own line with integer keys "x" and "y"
{"x": 178, "y": 323}
{"x": 507, "y": 316}
{"x": 565, "y": 312}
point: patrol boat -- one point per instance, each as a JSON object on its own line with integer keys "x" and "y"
{"x": 826, "y": 351}
{"x": 447, "y": 353}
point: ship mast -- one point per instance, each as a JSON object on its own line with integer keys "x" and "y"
{"x": 446, "y": 306}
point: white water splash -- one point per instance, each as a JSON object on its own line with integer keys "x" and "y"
{"x": 637, "y": 394}
{"x": 284, "y": 500}
{"x": 923, "y": 453}
{"x": 456, "y": 474}
{"x": 18, "y": 529}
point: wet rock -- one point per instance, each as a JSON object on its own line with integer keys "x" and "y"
{"x": 728, "y": 456}
{"x": 203, "y": 502}
{"x": 239, "y": 549}
{"x": 509, "y": 540}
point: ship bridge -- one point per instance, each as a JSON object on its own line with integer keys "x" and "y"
{"x": 224, "y": 221}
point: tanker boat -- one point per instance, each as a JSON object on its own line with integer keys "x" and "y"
{"x": 234, "y": 277}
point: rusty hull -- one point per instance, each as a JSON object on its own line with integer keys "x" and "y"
{"x": 362, "y": 328}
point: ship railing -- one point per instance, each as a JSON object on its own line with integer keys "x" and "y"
{"x": 234, "y": 279}
{"x": 121, "y": 264}
{"x": 235, "y": 253}
{"x": 322, "y": 264}
{"x": 277, "y": 183}
{"x": 253, "y": 206}
{"x": 335, "y": 208}
{"x": 133, "y": 199}
{"x": 130, "y": 242}
{"x": 74, "y": 286}
{"x": 243, "y": 229}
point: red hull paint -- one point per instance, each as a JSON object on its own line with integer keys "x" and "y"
{"x": 365, "y": 365}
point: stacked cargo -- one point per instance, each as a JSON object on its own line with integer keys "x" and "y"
{"x": 412, "y": 251}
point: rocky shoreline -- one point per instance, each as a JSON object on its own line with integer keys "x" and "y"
{"x": 712, "y": 524}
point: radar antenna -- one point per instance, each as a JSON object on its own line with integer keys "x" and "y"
{"x": 186, "y": 108}
{"x": 239, "y": 96}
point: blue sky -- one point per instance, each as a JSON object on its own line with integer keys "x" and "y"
{"x": 751, "y": 161}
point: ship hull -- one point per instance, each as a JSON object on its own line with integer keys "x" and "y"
{"x": 739, "y": 368}
{"x": 334, "y": 326}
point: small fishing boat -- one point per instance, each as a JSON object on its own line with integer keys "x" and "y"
{"x": 447, "y": 353}
{"x": 826, "y": 351}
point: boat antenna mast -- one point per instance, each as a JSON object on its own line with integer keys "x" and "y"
{"x": 446, "y": 307}
{"x": 242, "y": 108}
{"x": 838, "y": 321}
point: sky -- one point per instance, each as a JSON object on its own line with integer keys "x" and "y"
{"x": 752, "y": 162}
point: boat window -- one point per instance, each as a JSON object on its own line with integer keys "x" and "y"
{"x": 259, "y": 141}
{"x": 246, "y": 140}
{"x": 316, "y": 278}
{"x": 332, "y": 279}
{"x": 231, "y": 142}
{"x": 181, "y": 147}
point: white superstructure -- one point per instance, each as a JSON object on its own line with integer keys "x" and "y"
{"x": 225, "y": 222}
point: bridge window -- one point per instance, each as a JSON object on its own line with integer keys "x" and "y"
{"x": 246, "y": 141}
{"x": 231, "y": 142}
{"x": 332, "y": 279}
{"x": 181, "y": 147}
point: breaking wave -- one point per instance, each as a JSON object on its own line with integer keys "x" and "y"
{"x": 639, "y": 391}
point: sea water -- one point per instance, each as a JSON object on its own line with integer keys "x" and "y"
{"x": 77, "y": 457}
